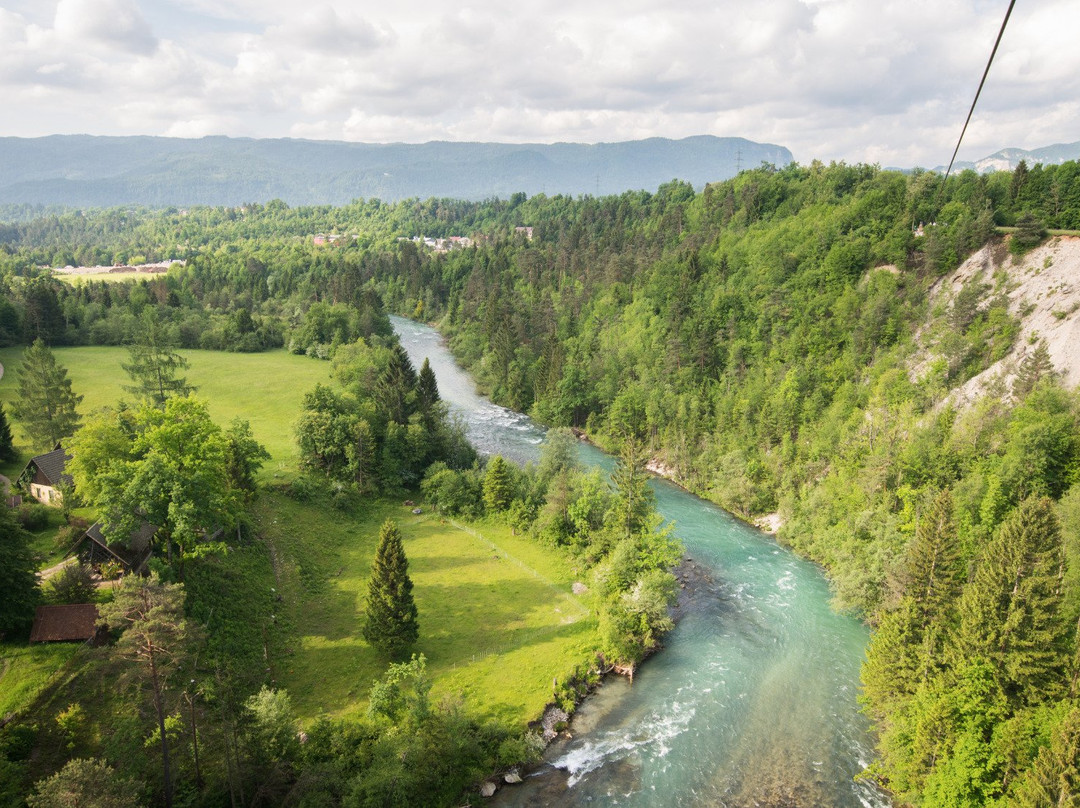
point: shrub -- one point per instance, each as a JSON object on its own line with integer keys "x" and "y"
{"x": 33, "y": 516}
{"x": 73, "y": 584}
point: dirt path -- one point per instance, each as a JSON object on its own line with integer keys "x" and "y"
{"x": 48, "y": 573}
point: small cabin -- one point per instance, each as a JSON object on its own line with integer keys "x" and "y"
{"x": 45, "y": 474}
{"x": 69, "y": 623}
{"x": 132, "y": 556}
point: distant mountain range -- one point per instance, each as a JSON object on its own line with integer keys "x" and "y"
{"x": 87, "y": 171}
{"x": 1008, "y": 159}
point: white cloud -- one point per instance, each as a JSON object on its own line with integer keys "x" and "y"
{"x": 105, "y": 23}
{"x": 835, "y": 79}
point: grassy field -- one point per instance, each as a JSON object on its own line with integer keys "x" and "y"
{"x": 26, "y": 670}
{"x": 497, "y": 618}
{"x": 264, "y": 388}
{"x": 498, "y": 621}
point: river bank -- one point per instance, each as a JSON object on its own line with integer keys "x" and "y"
{"x": 753, "y": 699}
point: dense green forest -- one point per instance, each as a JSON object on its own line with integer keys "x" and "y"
{"x": 771, "y": 340}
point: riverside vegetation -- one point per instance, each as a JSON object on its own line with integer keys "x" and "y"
{"x": 770, "y": 339}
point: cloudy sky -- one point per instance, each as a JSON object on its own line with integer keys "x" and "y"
{"x": 884, "y": 81}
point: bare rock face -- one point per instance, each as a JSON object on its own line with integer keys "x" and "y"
{"x": 512, "y": 777}
{"x": 488, "y": 789}
{"x": 578, "y": 588}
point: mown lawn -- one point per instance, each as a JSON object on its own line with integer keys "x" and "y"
{"x": 497, "y": 618}
{"x": 266, "y": 389}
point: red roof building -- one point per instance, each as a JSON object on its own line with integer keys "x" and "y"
{"x": 73, "y": 623}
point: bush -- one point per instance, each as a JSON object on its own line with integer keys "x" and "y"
{"x": 33, "y": 516}
{"x": 73, "y": 584}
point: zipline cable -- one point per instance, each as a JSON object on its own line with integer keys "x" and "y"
{"x": 982, "y": 81}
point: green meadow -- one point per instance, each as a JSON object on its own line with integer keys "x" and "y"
{"x": 264, "y": 388}
{"x": 498, "y": 621}
{"x": 497, "y": 618}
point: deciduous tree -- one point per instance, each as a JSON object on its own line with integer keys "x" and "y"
{"x": 87, "y": 783}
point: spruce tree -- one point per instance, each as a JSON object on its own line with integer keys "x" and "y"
{"x": 390, "y": 620}
{"x": 1054, "y": 777}
{"x": 1011, "y": 612}
{"x": 934, "y": 571}
{"x": 154, "y": 366}
{"x": 498, "y": 485}
{"x": 46, "y": 404}
{"x": 427, "y": 389}
{"x": 7, "y": 443}
{"x": 396, "y": 393}
{"x": 1035, "y": 367}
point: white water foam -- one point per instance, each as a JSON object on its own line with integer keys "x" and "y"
{"x": 650, "y": 737}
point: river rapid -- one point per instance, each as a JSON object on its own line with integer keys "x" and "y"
{"x": 751, "y": 702}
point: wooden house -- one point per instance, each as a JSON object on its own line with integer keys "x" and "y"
{"x": 93, "y": 550}
{"x": 45, "y": 474}
{"x": 71, "y": 623}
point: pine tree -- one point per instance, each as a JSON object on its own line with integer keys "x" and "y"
{"x": 390, "y": 620}
{"x": 1011, "y": 612}
{"x": 7, "y": 443}
{"x": 153, "y": 366}
{"x": 46, "y": 404}
{"x": 498, "y": 485}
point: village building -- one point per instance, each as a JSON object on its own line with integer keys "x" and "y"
{"x": 44, "y": 476}
{"x": 131, "y": 556}
{"x": 69, "y": 623}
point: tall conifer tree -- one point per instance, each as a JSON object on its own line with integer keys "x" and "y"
{"x": 934, "y": 570}
{"x": 1011, "y": 612}
{"x": 390, "y": 622}
{"x": 19, "y": 590}
{"x": 7, "y": 443}
{"x": 498, "y": 485}
{"x": 154, "y": 366}
{"x": 46, "y": 404}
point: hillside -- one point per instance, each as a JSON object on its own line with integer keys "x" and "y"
{"x": 1042, "y": 294}
{"x": 85, "y": 171}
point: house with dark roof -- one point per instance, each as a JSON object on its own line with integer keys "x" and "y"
{"x": 45, "y": 474}
{"x": 132, "y": 555}
{"x": 71, "y": 623}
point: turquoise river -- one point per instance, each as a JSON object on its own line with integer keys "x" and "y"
{"x": 751, "y": 702}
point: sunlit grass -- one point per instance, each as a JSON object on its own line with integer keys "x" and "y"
{"x": 26, "y": 670}
{"x": 266, "y": 389}
{"x": 497, "y": 620}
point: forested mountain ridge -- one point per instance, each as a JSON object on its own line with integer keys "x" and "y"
{"x": 85, "y": 171}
